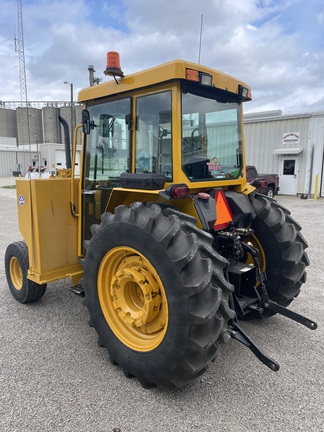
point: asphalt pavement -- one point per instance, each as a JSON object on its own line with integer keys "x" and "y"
{"x": 55, "y": 377}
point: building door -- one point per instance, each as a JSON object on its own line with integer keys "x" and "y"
{"x": 288, "y": 175}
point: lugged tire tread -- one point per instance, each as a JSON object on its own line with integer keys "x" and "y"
{"x": 31, "y": 291}
{"x": 291, "y": 258}
{"x": 201, "y": 273}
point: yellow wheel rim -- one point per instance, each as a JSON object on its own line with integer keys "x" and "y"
{"x": 132, "y": 299}
{"x": 252, "y": 239}
{"x": 16, "y": 273}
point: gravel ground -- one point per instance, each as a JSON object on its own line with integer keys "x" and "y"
{"x": 54, "y": 376}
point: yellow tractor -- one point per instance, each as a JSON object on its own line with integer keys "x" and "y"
{"x": 161, "y": 233}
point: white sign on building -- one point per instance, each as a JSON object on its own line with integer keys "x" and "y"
{"x": 290, "y": 139}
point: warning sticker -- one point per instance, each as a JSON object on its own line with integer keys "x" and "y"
{"x": 21, "y": 200}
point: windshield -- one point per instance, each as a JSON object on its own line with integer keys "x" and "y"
{"x": 211, "y": 137}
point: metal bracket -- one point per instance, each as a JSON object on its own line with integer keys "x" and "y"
{"x": 239, "y": 334}
{"x": 275, "y": 307}
{"x": 77, "y": 289}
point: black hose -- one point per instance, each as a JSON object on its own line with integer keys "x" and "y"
{"x": 67, "y": 142}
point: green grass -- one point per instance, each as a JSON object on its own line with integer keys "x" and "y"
{"x": 9, "y": 187}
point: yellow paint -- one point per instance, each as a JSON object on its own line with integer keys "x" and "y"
{"x": 49, "y": 229}
{"x": 16, "y": 273}
{"x": 50, "y": 211}
{"x": 173, "y": 70}
{"x": 128, "y": 196}
{"x": 316, "y": 187}
{"x": 135, "y": 306}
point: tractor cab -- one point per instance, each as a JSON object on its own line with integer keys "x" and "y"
{"x": 175, "y": 124}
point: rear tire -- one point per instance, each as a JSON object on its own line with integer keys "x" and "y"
{"x": 283, "y": 255}
{"x": 270, "y": 192}
{"x": 156, "y": 293}
{"x": 16, "y": 266}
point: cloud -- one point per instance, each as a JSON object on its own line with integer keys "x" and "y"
{"x": 275, "y": 46}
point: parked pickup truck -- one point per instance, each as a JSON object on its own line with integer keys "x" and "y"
{"x": 267, "y": 184}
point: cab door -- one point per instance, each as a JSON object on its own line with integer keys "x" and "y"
{"x": 107, "y": 154}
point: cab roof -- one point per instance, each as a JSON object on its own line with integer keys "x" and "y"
{"x": 174, "y": 70}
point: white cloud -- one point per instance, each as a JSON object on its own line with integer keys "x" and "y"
{"x": 254, "y": 40}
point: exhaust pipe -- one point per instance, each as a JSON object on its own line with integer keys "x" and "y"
{"x": 67, "y": 142}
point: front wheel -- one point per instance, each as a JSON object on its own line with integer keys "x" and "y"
{"x": 282, "y": 246}
{"x": 156, "y": 294}
{"x": 16, "y": 266}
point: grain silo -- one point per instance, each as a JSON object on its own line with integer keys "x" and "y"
{"x": 8, "y": 128}
{"x": 29, "y": 126}
{"x": 51, "y": 124}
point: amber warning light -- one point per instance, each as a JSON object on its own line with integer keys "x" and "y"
{"x": 113, "y": 65}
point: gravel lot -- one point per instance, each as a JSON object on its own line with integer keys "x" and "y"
{"x": 54, "y": 376}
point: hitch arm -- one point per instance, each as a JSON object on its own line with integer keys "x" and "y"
{"x": 239, "y": 334}
{"x": 271, "y": 305}
{"x": 275, "y": 307}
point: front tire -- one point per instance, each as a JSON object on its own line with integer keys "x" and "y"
{"x": 156, "y": 294}
{"x": 16, "y": 266}
{"x": 282, "y": 248}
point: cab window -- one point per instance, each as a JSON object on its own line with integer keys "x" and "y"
{"x": 211, "y": 137}
{"x": 154, "y": 134}
{"x": 108, "y": 146}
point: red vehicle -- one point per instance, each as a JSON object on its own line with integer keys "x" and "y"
{"x": 266, "y": 184}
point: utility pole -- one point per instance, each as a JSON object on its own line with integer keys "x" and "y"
{"x": 20, "y": 49}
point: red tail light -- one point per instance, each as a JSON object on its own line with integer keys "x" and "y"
{"x": 262, "y": 184}
{"x": 175, "y": 191}
{"x": 179, "y": 191}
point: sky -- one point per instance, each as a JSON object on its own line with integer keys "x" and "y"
{"x": 276, "y": 46}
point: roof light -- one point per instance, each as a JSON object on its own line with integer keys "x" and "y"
{"x": 245, "y": 92}
{"x": 192, "y": 75}
{"x": 201, "y": 77}
{"x": 206, "y": 79}
{"x": 113, "y": 65}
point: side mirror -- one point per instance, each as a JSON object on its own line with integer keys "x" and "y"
{"x": 106, "y": 125}
{"x": 86, "y": 121}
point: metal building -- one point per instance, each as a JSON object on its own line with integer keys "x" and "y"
{"x": 291, "y": 146}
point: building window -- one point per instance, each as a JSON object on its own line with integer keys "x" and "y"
{"x": 289, "y": 167}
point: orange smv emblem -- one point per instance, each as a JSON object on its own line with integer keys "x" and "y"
{"x": 223, "y": 211}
